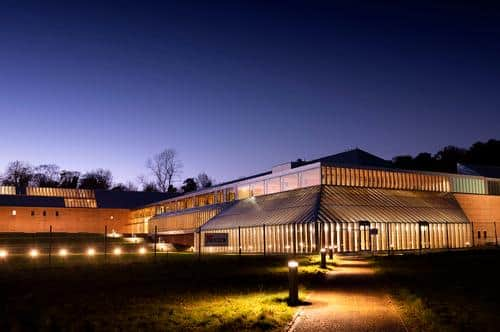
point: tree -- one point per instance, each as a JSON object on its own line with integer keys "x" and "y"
{"x": 448, "y": 157}
{"x": 46, "y": 176}
{"x": 164, "y": 166}
{"x": 96, "y": 179}
{"x": 129, "y": 186}
{"x": 171, "y": 190}
{"x": 69, "y": 179}
{"x": 149, "y": 187}
{"x": 203, "y": 180}
{"x": 18, "y": 174}
{"x": 189, "y": 185}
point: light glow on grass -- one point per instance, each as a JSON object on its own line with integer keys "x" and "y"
{"x": 63, "y": 252}
{"x": 90, "y": 252}
{"x": 4, "y": 254}
{"x": 117, "y": 251}
{"x": 142, "y": 251}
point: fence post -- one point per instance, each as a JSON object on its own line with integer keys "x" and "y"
{"x": 105, "y": 242}
{"x": 496, "y": 238}
{"x": 264, "y": 237}
{"x": 50, "y": 245}
{"x": 155, "y": 239}
{"x": 472, "y": 232}
{"x": 199, "y": 243}
{"x": 239, "y": 241}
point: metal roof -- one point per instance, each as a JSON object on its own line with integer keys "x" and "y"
{"x": 350, "y": 204}
{"x": 295, "y": 206}
{"x": 340, "y": 204}
{"x": 31, "y": 201}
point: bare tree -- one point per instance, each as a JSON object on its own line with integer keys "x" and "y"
{"x": 204, "y": 181}
{"x": 164, "y": 166}
{"x": 46, "y": 176}
{"x": 69, "y": 179}
{"x": 18, "y": 173}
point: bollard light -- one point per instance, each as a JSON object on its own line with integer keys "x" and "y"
{"x": 323, "y": 258}
{"x": 117, "y": 251}
{"x": 33, "y": 253}
{"x": 142, "y": 251}
{"x": 330, "y": 252}
{"x": 63, "y": 252}
{"x": 90, "y": 252}
{"x": 293, "y": 283}
{"x": 3, "y": 254}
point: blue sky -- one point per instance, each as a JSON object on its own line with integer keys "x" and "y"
{"x": 236, "y": 87}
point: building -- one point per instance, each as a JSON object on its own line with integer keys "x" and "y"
{"x": 351, "y": 201}
{"x": 29, "y": 210}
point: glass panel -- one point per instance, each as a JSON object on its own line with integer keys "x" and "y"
{"x": 310, "y": 178}
{"x": 243, "y": 191}
{"x": 258, "y": 188}
{"x": 289, "y": 182}
{"x": 273, "y": 186}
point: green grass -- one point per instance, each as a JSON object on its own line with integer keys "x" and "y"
{"x": 131, "y": 292}
{"x": 455, "y": 291}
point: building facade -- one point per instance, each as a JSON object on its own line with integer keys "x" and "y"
{"x": 352, "y": 201}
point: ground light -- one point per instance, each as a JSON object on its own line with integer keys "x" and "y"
{"x": 63, "y": 252}
{"x": 330, "y": 252}
{"x": 142, "y": 251}
{"x": 322, "y": 252}
{"x": 293, "y": 283}
{"x": 117, "y": 251}
{"x": 3, "y": 254}
{"x": 90, "y": 252}
{"x": 33, "y": 253}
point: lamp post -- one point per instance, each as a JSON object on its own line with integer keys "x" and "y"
{"x": 323, "y": 258}
{"x": 330, "y": 252}
{"x": 293, "y": 283}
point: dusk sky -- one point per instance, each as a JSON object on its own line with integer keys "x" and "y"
{"x": 237, "y": 87}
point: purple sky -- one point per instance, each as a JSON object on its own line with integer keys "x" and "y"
{"x": 238, "y": 87}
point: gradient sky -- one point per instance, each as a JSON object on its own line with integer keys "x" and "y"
{"x": 236, "y": 87}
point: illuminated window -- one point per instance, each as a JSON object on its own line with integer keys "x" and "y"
{"x": 32, "y": 213}
{"x": 290, "y": 182}
{"x": 57, "y": 213}
{"x": 14, "y": 212}
{"x": 44, "y": 213}
{"x": 257, "y": 188}
{"x": 484, "y": 234}
{"x": 273, "y": 186}
{"x": 478, "y": 234}
{"x": 243, "y": 191}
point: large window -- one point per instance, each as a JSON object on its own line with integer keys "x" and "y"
{"x": 310, "y": 178}
{"x": 243, "y": 191}
{"x": 273, "y": 186}
{"x": 258, "y": 188}
{"x": 289, "y": 182}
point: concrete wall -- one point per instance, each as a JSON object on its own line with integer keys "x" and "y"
{"x": 73, "y": 220}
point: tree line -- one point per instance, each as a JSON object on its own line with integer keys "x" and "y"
{"x": 446, "y": 159}
{"x": 163, "y": 169}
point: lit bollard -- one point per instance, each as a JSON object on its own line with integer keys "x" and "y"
{"x": 323, "y": 258}
{"x": 330, "y": 253}
{"x": 293, "y": 283}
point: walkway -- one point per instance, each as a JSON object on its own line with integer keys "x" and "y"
{"x": 351, "y": 301}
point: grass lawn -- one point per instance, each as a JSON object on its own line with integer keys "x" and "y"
{"x": 131, "y": 292}
{"x": 449, "y": 291}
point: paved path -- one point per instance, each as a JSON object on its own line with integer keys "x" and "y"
{"x": 351, "y": 301}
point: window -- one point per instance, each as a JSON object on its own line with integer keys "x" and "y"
{"x": 484, "y": 234}
{"x": 14, "y": 212}
{"x": 243, "y": 191}
{"x": 273, "y": 186}
{"x": 44, "y": 213}
{"x": 290, "y": 182}
{"x": 310, "y": 178}
{"x": 258, "y": 188}
{"x": 57, "y": 213}
{"x": 478, "y": 234}
{"x": 32, "y": 213}
{"x": 230, "y": 196}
